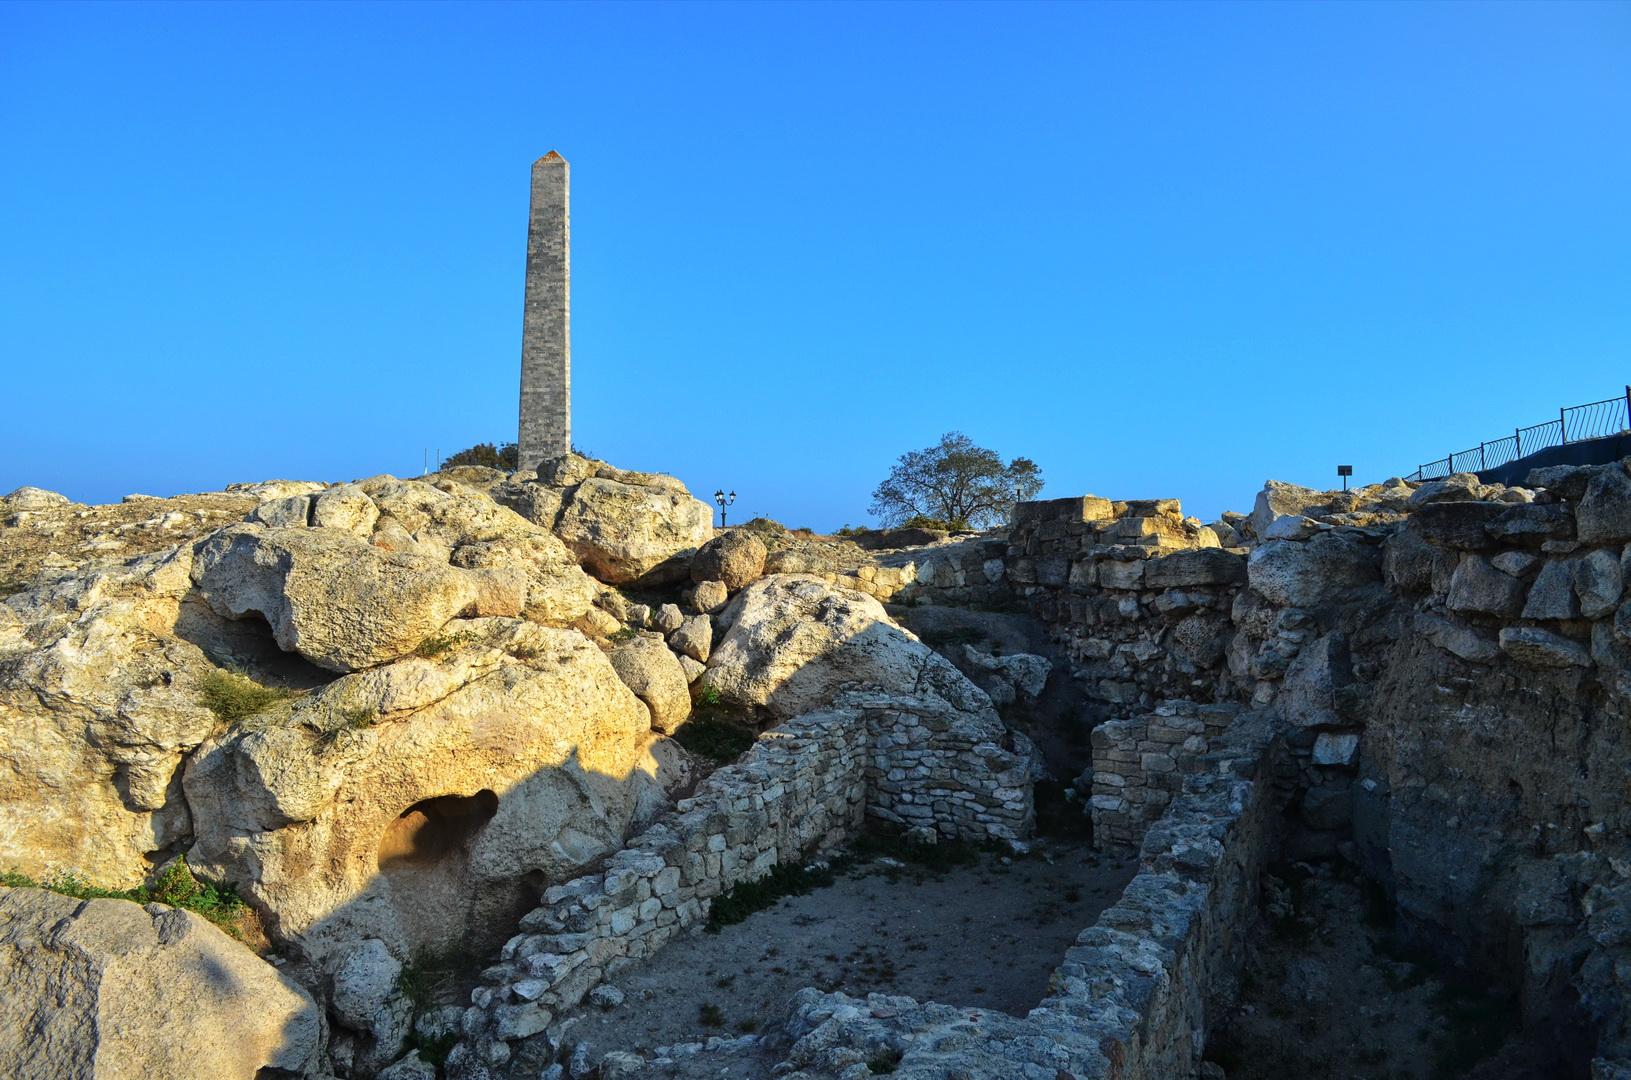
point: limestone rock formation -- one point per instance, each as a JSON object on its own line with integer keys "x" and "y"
{"x": 341, "y": 603}
{"x": 736, "y": 558}
{"x": 98, "y": 705}
{"x": 623, "y": 526}
{"x": 795, "y": 641}
{"x": 648, "y": 668}
{"x": 408, "y": 803}
{"x": 109, "y": 989}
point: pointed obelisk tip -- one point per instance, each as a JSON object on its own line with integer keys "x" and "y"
{"x": 553, "y": 155}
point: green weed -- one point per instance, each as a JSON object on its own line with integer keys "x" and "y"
{"x": 716, "y": 736}
{"x": 176, "y": 887}
{"x": 434, "y": 1049}
{"x": 233, "y": 696}
{"x": 618, "y": 637}
{"x": 750, "y": 896}
{"x": 711, "y": 1016}
{"x": 437, "y": 644}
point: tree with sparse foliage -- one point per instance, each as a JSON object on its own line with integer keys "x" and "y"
{"x": 957, "y": 483}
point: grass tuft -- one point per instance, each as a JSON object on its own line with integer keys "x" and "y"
{"x": 233, "y": 696}
{"x": 176, "y": 887}
{"x": 716, "y": 736}
{"x": 437, "y": 644}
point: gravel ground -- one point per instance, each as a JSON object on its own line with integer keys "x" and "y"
{"x": 988, "y": 934}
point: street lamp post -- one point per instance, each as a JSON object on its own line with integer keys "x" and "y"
{"x": 723, "y": 500}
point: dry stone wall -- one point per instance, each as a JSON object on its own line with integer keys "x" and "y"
{"x": 1132, "y": 999}
{"x": 1139, "y": 765}
{"x": 804, "y": 788}
{"x": 1137, "y": 594}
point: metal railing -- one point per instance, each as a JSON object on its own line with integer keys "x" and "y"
{"x": 1601, "y": 418}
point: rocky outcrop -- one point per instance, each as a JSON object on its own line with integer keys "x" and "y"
{"x": 409, "y": 803}
{"x": 623, "y": 526}
{"x": 736, "y": 558}
{"x": 99, "y": 704}
{"x": 647, "y": 667}
{"x": 341, "y": 603}
{"x": 794, "y": 642}
{"x": 109, "y": 989}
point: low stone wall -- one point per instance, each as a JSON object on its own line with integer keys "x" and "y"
{"x": 1139, "y": 765}
{"x": 927, "y": 771}
{"x": 1134, "y": 997}
{"x": 958, "y": 574}
{"x": 804, "y": 788}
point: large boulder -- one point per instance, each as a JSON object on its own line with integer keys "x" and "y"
{"x": 647, "y": 667}
{"x": 108, "y": 989}
{"x": 99, "y": 702}
{"x": 795, "y": 642}
{"x": 341, "y": 603}
{"x": 1278, "y": 499}
{"x": 414, "y": 802}
{"x": 1331, "y": 568}
{"x": 1604, "y": 513}
{"x": 635, "y": 528}
{"x": 736, "y": 558}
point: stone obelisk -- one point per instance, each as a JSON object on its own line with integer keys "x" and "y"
{"x": 546, "y": 327}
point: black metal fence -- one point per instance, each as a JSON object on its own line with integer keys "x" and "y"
{"x": 1610, "y": 416}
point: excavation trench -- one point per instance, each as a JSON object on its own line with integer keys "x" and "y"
{"x": 986, "y": 933}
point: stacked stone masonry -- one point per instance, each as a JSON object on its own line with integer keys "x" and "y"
{"x": 1138, "y": 595}
{"x": 1133, "y": 998}
{"x": 803, "y": 789}
{"x": 1139, "y": 765}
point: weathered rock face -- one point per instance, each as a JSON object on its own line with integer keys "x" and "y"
{"x": 737, "y": 558}
{"x": 105, "y": 988}
{"x": 622, "y": 526}
{"x": 795, "y": 641}
{"x": 102, "y": 666}
{"x": 341, "y": 603}
{"x": 98, "y": 706}
{"x": 647, "y": 667}
{"x": 406, "y": 801}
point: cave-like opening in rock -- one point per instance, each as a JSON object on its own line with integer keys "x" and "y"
{"x": 429, "y": 831}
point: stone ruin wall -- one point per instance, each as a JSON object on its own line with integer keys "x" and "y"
{"x": 1139, "y": 765}
{"x": 1132, "y": 999}
{"x": 803, "y": 789}
{"x": 1451, "y": 661}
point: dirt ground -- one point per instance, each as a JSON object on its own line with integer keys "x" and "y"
{"x": 987, "y": 934}
{"x": 1329, "y": 993}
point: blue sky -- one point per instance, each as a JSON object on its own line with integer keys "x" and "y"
{"x": 1165, "y": 250}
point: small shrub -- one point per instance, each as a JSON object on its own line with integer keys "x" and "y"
{"x": 711, "y": 1016}
{"x": 502, "y": 456}
{"x": 923, "y": 521}
{"x": 233, "y": 696}
{"x": 706, "y": 697}
{"x": 355, "y": 718}
{"x": 881, "y": 1064}
{"x": 434, "y": 1049}
{"x": 715, "y": 736}
{"x": 618, "y": 637}
{"x": 176, "y": 887}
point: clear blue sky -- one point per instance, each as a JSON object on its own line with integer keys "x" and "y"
{"x": 1163, "y": 249}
